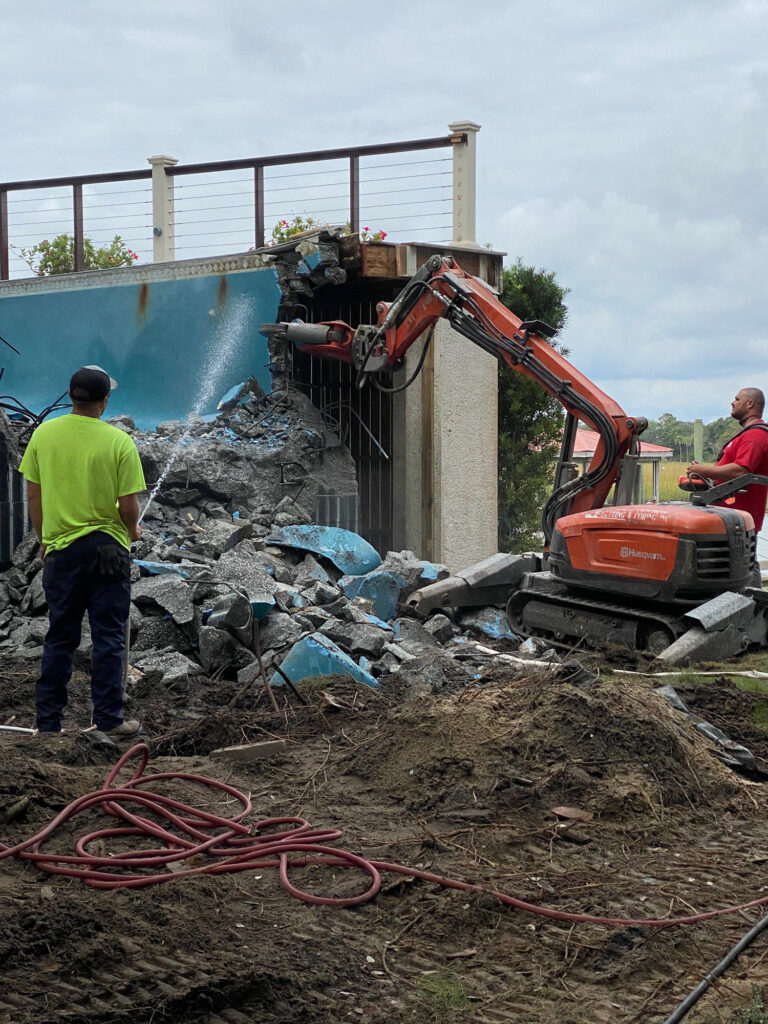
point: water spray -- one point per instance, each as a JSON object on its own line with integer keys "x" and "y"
{"x": 226, "y": 339}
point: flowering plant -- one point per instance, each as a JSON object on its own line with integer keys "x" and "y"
{"x": 57, "y": 256}
{"x": 366, "y": 235}
{"x": 284, "y": 230}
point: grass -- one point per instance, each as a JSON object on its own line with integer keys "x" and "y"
{"x": 443, "y": 996}
{"x": 755, "y": 1013}
{"x": 669, "y": 472}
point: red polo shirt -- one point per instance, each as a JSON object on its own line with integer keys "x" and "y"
{"x": 750, "y": 450}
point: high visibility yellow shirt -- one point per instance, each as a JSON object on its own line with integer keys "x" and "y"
{"x": 83, "y": 465}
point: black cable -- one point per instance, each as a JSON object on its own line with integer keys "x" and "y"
{"x": 393, "y": 391}
{"x": 689, "y": 1001}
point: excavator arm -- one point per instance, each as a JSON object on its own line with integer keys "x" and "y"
{"x": 442, "y": 290}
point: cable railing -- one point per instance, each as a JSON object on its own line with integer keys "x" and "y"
{"x": 399, "y": 191}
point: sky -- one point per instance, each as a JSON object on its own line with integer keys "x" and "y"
{"x": 623, "y": 146}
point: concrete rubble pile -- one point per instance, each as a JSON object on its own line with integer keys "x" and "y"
{"x": 231, "y": 562}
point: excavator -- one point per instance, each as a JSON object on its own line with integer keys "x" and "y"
{"x": 669, "y": 578}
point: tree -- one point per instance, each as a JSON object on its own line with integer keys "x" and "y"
{"x": 530, "y": 420}
{"x": 58, "y": 256}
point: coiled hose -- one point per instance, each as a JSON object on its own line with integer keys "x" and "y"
{"x": 235, "y": 847}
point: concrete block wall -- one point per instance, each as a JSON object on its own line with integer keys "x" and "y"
{"x": 449, "y": 474}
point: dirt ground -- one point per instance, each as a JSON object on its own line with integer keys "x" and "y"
{"x": 462, "y": 784}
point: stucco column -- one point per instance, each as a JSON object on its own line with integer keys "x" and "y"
{"x": 162, "y": 209}
{"x": 464, "y": 184}
{"x": 450, "y": 473}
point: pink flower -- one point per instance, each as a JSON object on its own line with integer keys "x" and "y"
{"x": 383, "y": 235}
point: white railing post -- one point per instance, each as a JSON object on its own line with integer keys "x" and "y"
{"x": 464, "y": 183}
{"x": 162, "y": 208}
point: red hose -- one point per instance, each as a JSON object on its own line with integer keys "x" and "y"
{"x": 238, "y": 847}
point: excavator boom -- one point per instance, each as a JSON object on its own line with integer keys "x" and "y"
{"x": 442, "y": 290}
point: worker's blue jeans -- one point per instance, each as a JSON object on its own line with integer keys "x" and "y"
{"x": 93, "y": 575}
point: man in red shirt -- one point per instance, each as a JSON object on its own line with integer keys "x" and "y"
{"x": 747, "y": 452}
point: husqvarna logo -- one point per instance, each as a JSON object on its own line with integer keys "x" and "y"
{"x": 651, "y": 556}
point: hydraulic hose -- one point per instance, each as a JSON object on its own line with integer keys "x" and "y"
{"x": 688, "y": 1003}
{"x": 235, "y": 846}
{"x": 477, "y": 329}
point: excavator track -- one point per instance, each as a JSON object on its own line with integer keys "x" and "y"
{"x": 543, "y": 606}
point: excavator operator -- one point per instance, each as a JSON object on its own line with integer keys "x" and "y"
{"x": 746, "y": 452}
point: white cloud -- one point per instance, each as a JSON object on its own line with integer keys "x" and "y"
{"x": 623, "y": 145}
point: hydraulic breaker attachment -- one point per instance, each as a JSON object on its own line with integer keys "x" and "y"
{"x": 488, "y": 582}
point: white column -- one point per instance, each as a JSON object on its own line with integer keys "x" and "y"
{"x": 464, "y": 184}
{"x": 162, "y": 208}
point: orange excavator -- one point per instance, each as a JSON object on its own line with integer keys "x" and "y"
{"x": 672, "y": 578}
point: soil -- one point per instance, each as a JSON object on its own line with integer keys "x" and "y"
{"x": 463, "y": 784}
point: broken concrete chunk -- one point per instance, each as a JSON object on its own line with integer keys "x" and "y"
{"x": 357, "y": 638}
{"x": 412, "y": 631}
{"x": 381, "y": 587}
{"x": 317, "y": 655}
{"x": 26, "y": 549}
{"x": 320, "y": 593}
{"x": 156, "y": 631}
{"x": 248, "y": 751}
{"x": 317, "y": 616}
{"x": 290, "y": 518}
{"x": 310, "y": 571}
{"x": 218, "y": 649}
{"x": 16, "y": 579}
{"x": 287, "y": 596}
{"x": 441, "y": 628}
{"x": 169, "y": 593}
{"x": 491, "y": 621}
{"x": 278, "y": 568}
{"x": 348, "y": 551}
{"x": 123, "y": 422}
{"x": 160, "y": 568}
{"x": 287, "y": 504}
{"x": 430, "y": 673}
{"x": 174, "y": 670}
{"x": 278, "y": 630}
{"x": 232, "y": 611}
{"x": 37, "y": 602}
{"x": 409, "y": 569}
{"x": 220, "y": 535}
{"x": 248, "y": 575}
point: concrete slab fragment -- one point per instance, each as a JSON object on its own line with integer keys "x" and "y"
{"x": 347, "y": 550}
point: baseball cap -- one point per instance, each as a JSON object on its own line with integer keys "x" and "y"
{"x": 90, "y": 384}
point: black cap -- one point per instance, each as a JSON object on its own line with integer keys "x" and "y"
{"x": 90, "y": 384}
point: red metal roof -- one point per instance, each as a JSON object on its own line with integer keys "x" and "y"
{"x": 586, "y": 442}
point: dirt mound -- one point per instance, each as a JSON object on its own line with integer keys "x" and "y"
{"x": 608, "y": 748}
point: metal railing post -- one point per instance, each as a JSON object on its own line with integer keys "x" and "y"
{"x": 258, "y": 205}
{"x": 4, "y": 266}
{"x": 162, "y": 208}
{"x": 77, "y": 207}
{"x": 464, "y": 183}
{"x": 354, "y": 194}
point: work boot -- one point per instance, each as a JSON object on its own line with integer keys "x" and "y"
{"x": 127, "y": 730}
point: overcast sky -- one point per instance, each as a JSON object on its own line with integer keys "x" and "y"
{"x": 623, "y": 144}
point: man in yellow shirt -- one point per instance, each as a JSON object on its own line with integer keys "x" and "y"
{"x": 83, "y": 480}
